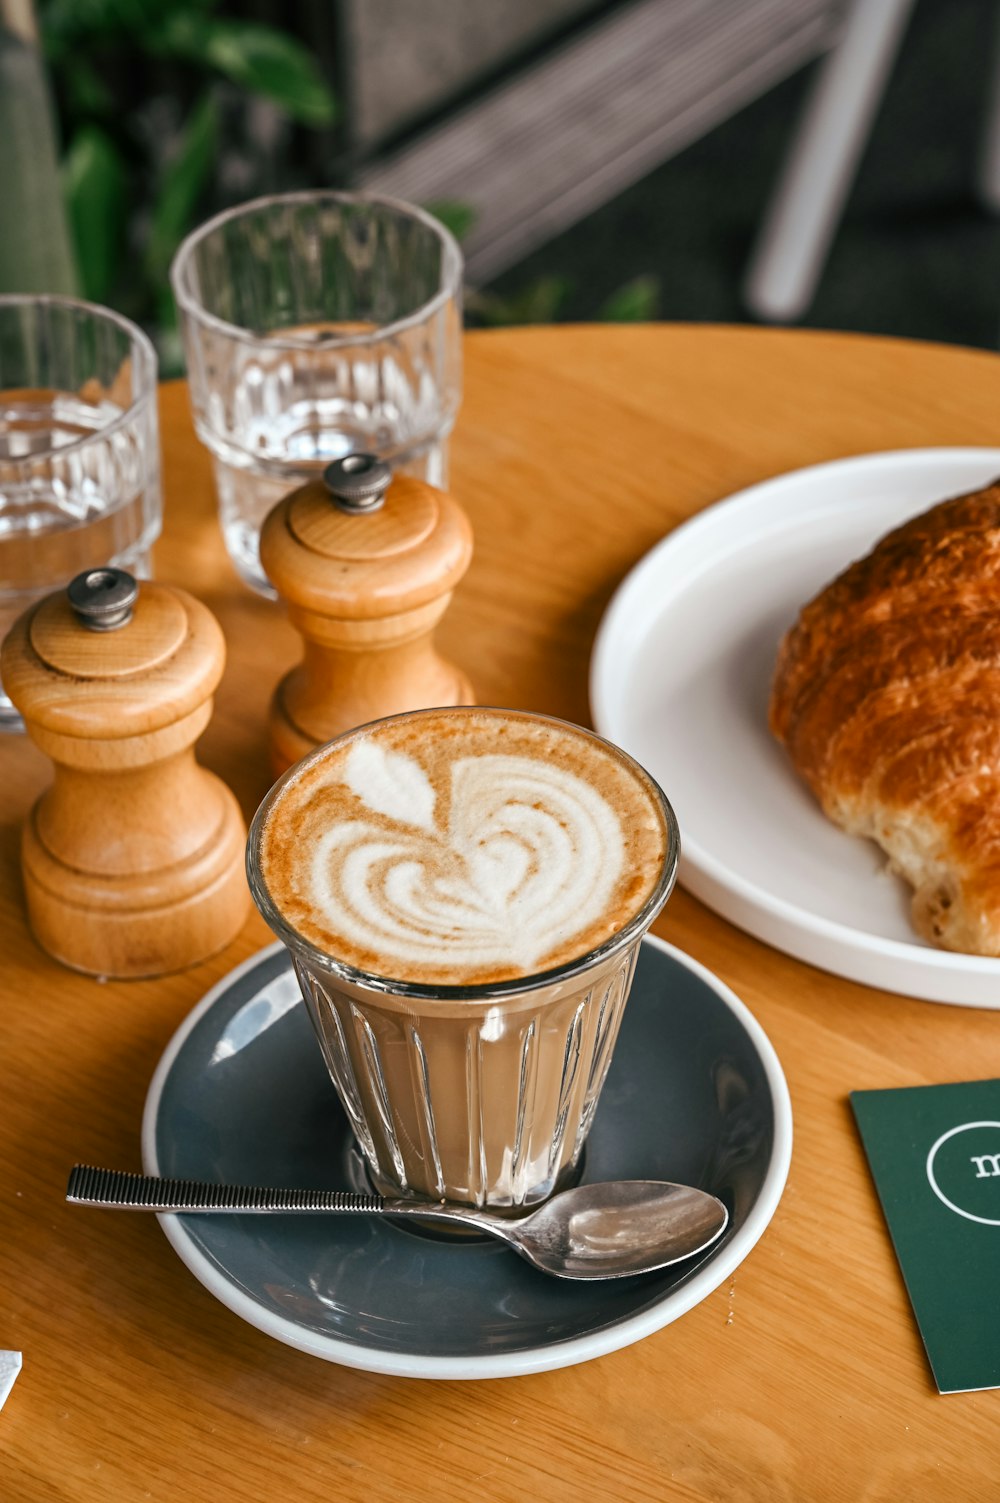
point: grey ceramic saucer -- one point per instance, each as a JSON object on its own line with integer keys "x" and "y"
{"x": 695, "y": 1094}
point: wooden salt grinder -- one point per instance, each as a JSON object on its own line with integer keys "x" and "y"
{"x": 366, "y": 563}
{"x": 133, "y": 858}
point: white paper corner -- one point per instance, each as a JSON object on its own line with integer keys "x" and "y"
{"x": 10, "y": 1366}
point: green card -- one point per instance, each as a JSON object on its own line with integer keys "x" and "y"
{"x": 934, "y": 1152}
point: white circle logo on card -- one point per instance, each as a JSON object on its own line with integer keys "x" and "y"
{"x": 965, "y": 1160}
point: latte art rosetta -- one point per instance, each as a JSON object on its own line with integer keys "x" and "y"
{"x": 514, "y": 856}
{"x": 461, "y": 846}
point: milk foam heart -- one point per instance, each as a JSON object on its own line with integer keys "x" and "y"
{"x": 463, "y": 845}
{"x": 524, "y": 855}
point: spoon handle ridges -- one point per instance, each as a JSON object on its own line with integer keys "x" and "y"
{"x": 141, "y": 1192}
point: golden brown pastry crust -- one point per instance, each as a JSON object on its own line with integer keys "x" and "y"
{"x": 887, "y": 697}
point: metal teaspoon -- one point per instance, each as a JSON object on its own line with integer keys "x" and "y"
{"x": 603, "y": 1231}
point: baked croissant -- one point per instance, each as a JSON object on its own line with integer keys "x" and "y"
{"x": 887, "y": 697}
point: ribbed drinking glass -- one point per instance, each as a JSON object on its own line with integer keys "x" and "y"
{"x": 316, "y": 325}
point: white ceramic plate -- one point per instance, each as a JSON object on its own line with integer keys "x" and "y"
{"x": 680, "y": 678}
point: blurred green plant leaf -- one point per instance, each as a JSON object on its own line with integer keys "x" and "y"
{"x": 86, "y": 40}
{"x": 182, "y": 185}
{"x": 169, "y": 348}
{"x": 85, "y": 91}
{"x": 64, "y": 23}
{"x": 255, "y": 57}
{"x": 538, "y": 303}
{"x": 94, "y": 187}
{"x": 455, "y": 216}
{"x": 270, "y": 63}
{"x": 636, "y": 302}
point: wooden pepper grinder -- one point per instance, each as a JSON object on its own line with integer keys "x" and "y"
{"x": 133, "y": 858}
{"x": 366, "y": 563}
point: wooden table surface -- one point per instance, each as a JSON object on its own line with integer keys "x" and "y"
{"x": 803, "y": 1377}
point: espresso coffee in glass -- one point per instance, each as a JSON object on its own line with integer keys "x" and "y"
{"x": 463, "y": 892}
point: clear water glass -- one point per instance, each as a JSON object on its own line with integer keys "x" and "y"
{"x": 316, "y": 325}
{"x": 79, "y": 450}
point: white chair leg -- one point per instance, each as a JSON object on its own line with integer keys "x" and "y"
{"x": 806, "y": 207}
{"x": 988, "y": 171}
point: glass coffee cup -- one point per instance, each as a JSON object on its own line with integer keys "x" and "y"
{"x": 463, "y": 893}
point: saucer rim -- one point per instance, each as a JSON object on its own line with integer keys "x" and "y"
{"x": 562, "y": 1353}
